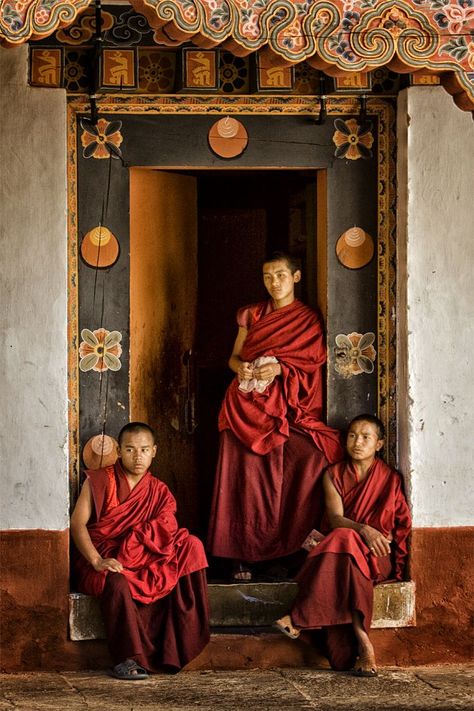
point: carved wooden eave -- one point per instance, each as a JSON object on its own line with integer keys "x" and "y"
{"x": 336, "y": 36}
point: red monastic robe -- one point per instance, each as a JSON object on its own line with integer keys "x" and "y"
{"x": 339, "y": 574}
{"x": 155, "y": 610}
{"x": 274, "y": 445}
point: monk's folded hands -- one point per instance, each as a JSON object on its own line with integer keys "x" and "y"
{"x": 245, "y": 371}
{"x": 267, "y": 371}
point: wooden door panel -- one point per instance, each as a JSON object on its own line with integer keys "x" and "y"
{"x": 163, "y": 293}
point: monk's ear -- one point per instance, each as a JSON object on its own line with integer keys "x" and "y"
{"x": 154, "y": 450}
{"x": 379, "y": 445}
{"x": 297, "y": 276}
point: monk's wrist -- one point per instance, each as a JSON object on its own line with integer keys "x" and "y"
{"x": 95, "y": 561}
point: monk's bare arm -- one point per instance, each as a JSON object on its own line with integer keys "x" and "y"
{"x": 79, "y": 519}
{"x": 376, "y": 541}
{"x": 240, "y": 367}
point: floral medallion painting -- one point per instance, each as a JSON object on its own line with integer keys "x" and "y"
{"x": 355, "y": 354}
{"x": 102, "y": 140}
{"x": 353, "y": 140}
{"x": 100, "y": 350}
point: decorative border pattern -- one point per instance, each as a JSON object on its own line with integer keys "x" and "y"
{"x": 388, "y": 289}
{"x": 333, "y": 35}
{"x": 242, "y": 105}
{"x": 73, "y": 309}
{"x": 23, "y": 20}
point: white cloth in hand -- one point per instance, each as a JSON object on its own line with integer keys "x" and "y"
{"x": 252, "y": 383}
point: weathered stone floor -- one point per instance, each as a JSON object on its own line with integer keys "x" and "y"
{"x": 446, "y": 688}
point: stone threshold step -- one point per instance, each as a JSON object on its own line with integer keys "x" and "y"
{"x": 252, "y": 605}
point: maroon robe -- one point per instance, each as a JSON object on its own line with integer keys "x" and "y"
{"x": 156, "y": 610}
{"x": 339, "y": 574}
{"x": 273, "y": 445}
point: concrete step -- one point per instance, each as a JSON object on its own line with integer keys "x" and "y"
{"x": 253, "y": 605}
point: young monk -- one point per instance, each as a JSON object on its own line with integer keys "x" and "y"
{"x": 273, "y": 442}
{"x": 148, "y": 574}
{"x": 369, "y": 523}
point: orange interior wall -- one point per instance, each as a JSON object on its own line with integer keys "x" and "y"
{"x": 163, "y": 293}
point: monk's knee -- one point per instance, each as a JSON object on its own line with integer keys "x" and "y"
{"x": 345, "y": 533}
{"x": 195, "y": 545}
{"x": 115, "y": 584}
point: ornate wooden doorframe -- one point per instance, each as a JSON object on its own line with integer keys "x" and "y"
{"x": 335, "y": 36}
{"x": 205, "y": 107}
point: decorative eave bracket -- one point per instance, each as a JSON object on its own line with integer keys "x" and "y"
{"x": 336, "y": 36}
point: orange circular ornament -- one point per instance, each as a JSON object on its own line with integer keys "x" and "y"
{"x": 355, "y": 248}
{"x": 100, "y": 451}
{"x": 228, "y": 138}
{"x": 100, "y": 248}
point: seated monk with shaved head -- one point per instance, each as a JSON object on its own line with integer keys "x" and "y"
{"x": 148, "y": 573}
{"x": 368, "y": 522}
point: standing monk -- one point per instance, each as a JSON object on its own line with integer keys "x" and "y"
{"x": 273, "y": 442}
{"x": 370, "y": 521}
{"x": 148, "y": 573}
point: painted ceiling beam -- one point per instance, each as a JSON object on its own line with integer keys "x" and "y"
{"x": 338, "y": 37}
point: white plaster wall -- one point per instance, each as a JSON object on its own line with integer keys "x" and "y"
{"x": 33, "y": 301}
{"x": 436, "y": 305}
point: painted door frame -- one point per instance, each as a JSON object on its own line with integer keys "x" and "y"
{"x": 257, "y": 106}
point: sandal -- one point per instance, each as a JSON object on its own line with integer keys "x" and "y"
{"x": 365, "y": 666}
{"x": 285, "y": 625}
{"x": 128, "y": 670}
{"x": 241, "y": 573}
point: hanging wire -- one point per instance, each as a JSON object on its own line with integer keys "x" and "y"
{"x": 103, "y": 219}
{"x": 103, "y": 374}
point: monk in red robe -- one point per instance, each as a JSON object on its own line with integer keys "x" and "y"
{"x": 148, "y": 573}
{"x": 274, "y": 444}
{"x": 369, "y": 523}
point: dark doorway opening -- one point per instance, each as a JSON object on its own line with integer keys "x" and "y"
{"x": 242, "y": 218}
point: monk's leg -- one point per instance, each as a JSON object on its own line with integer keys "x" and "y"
{"x": 122, "y": 623}
{"x": 178, "y": 624}
{"x": 365, "y": 665}
{"x": 302, "y": 501}
{"x": 244, "y": 522}
{"x": 365, "y": 646}
{"x": 330, "y": 588}
{"x": 167, "y": 633}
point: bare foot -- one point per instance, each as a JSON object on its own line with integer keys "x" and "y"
{"x": 241, "y": 572}
{"x": 365, "y": 665}
{"x": 285, "y": 625}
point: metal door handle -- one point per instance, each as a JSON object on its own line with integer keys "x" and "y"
{"x": 189, "y": 413}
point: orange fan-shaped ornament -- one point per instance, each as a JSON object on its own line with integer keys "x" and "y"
{"x": 355, "y": 248}
{"x": 100, "y": 248}
{"x": 228, "y": 138}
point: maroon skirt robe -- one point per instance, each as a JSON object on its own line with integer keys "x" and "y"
{"x": 274, "y": 445}
{"x": 164, "y": 635}
{"x": 156, "y": 610}
{"x": 339, "y": 575}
